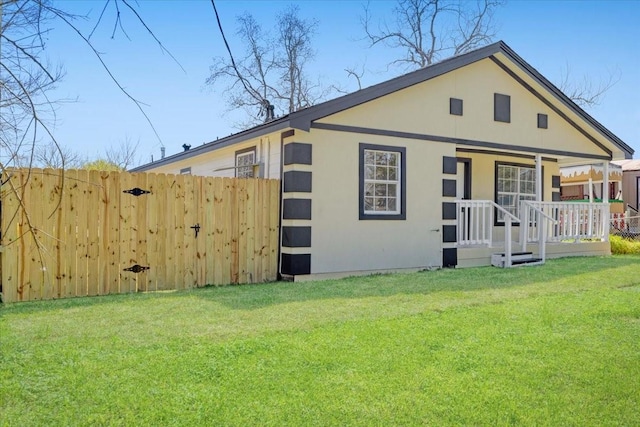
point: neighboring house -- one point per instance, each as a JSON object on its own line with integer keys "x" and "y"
{"x": 630, "y": 184}
{"x": 586, "y": 183}
{"x": 374, "y": 180}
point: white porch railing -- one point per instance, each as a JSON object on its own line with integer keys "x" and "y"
{"x": 475, "y": 224}
{"x": 540, "y": 223}
{"x": 570, "y": 222}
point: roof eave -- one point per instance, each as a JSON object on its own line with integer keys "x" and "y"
{"x": 564, "y": 99}
{"x": 254, "y": 132}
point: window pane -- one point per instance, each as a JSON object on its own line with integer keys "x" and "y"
{"x": 381, "y": 190}
{"x": 368, "y": 189}
{"x": 369, "y": 157}
{"x": 381, "y": 173}
{"x": 381, "y": 204}
{"x": 391, "y": 203}
{"x": 393, "y": 174}
{"x": 393, "y": 159}
{"x": 392, "y": 190}
{"x": 368, "y": 203}
{"x": 369, "y": 172}
{"x": 381, "y": 158}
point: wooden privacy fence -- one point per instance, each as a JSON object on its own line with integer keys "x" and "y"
{"x": 85, "y": 232}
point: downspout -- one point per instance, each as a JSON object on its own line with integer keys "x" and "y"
{"x": 278, "y": 274}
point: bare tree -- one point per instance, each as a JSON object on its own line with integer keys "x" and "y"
{"x": 426, "y": 31}
{"x": 124, "y": 155}
{"x": 26, "y": 78}
{"x": 585, "y": 92}
{"x": 271, "y": 74}
{"x": 56, "y": 156}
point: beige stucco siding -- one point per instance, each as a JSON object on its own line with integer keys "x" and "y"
{"x": 220, "y": 162}
{"x": 340, "y": 240}
{"x": 424, "y": 109}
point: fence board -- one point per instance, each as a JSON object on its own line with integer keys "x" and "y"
{"x": 161, "y": 205}
{"x": 10, "y": 210}
{"x": 218, "y": 232}
{"x": 47, "y": 231}
{"x": 188, "y": 234}
{"x": 82, "y": 227}
{"x": 72, "y": 233}
{"x": 94, "y": 217}
{"x": 201, "y": 240}
{"x": 152, "y": 210}
{"x": 115, "y": 221}
{"x": 140, "y": 236}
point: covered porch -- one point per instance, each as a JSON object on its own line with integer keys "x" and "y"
{"x": 522, "y": 220}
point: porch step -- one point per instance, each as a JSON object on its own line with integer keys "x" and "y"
{"x": 517, "y": 259}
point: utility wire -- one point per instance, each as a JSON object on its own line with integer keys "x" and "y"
{"x": 233, "y": 62}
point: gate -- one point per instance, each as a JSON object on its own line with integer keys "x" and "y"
{"x": 80, "y": 233}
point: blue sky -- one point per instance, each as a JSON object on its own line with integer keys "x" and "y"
{"x": 592, "y": 38}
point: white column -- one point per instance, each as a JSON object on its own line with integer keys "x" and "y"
{"x": 605, "y": 182}
{"x": 538, "y": 177}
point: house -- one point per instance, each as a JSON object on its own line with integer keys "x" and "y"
{"x": 585, "y": 183}
{"x": 630, "y": 184}
{"x": 435, "y": 168}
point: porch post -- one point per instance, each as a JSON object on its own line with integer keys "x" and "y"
{"x": 538, "y": 177}
{"x": 605, "y": 199}
{"x": 605, "y": 182}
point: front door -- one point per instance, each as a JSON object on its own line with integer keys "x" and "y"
{"x": 463, "y": 192}
{"x": 463, "y": 177}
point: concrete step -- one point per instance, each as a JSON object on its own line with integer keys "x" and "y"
{"x": 530, "y": 261}
{"x": 517, "y": 259}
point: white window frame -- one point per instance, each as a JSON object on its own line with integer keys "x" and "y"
{"x": 373, "y": 182}
{"x": 519, "y": 188}
{"x": 243, "y": 169}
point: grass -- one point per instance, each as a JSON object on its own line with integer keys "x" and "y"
{"x": 557, "y": 344}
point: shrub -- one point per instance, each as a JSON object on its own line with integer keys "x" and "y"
{"x": 620, "y": 245}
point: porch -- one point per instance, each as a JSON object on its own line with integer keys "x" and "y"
{"x": 489, "y": 234}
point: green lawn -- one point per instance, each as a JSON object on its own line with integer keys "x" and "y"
{"x": 557, "y": 344}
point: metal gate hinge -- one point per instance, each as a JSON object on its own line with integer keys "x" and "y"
{"x": 136, "y": 268}
{"x": 137, "y": 191}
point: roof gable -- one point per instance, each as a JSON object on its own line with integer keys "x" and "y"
{"x": 498, "y": 52}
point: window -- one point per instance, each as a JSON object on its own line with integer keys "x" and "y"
{"x": 185, "y": 171}
{"x": 382, "y": 179}
{"x": 245, "y": 159}
{"x": 514, "y": 183}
